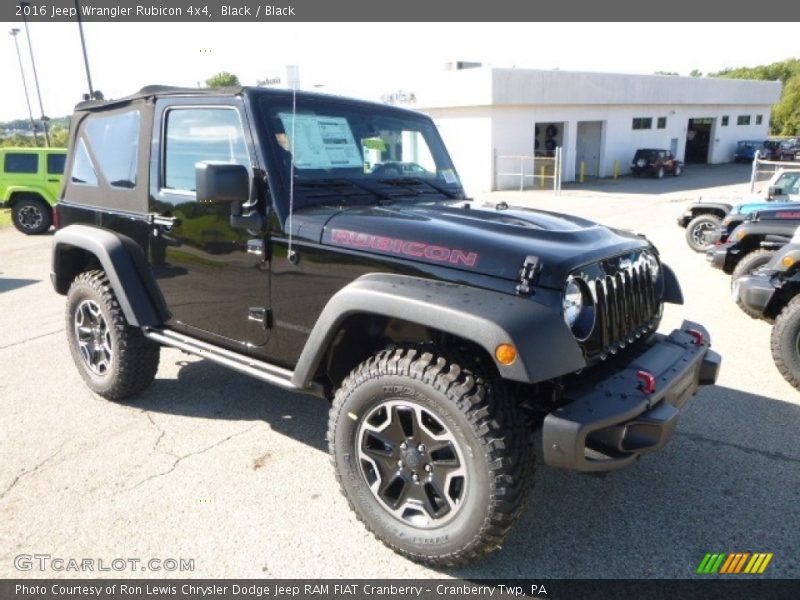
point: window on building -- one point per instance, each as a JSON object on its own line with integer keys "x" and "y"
{"x": 759, "y": 119}
{"x": 642, "y": 123}
{"x": 743, "y": 120}
{"x": 22, "y": 162}
{"x": 725, "y": 120}
{"x": 661, "y": 123}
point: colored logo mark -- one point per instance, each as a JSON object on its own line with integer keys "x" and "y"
{"x": 734, "y": 562}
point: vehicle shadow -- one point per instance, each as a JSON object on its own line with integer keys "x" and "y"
{"x": 6, "y": 285}
{"x": 208, "y": 391}
{"x": 692, "y": 178}
{"x": 726, "y": 482}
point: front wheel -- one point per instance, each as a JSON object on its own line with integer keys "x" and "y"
{"x": 660, "y": 173}
{"x": 32, "y": 216}
{"x": 785, "y": 342}
{"x": 114, "y": 358}
{"x": 677, "y": 170}
{"x": 697, "y": 228}
{"x": 433, "y": 457}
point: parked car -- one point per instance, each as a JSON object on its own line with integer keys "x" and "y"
{"x": 30, "y": 180}
{"x": 708, "y": 222}
{"x": 655, "y": 161}
{"x": 772, "y": 293}
{"x": 746, "y": 150}
{"x": 782, "y": 149}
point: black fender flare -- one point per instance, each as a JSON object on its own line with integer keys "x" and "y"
{"x": 124, "y": 263}
{"x": 545, "y": 346}
{"x": 700, "y": 208}
{"x": 672, "y": 288}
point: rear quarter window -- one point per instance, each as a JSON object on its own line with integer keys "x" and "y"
{"x": 21, "y": 162}
{"x": 55, "y": 163}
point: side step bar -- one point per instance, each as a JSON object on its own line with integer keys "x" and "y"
{"x": 244, "y": 364}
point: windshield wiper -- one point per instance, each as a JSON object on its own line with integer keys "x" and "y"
{"x": 417, "y": 181}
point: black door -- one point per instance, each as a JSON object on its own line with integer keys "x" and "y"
{"x": 212, "y": 286}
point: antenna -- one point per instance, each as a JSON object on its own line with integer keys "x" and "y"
{"x": 291, "y": 254}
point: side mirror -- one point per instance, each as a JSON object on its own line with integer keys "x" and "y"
{"x": 221, "y": 183}
{"x": 774, "y": 190}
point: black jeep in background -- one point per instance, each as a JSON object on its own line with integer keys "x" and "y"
{"x": 258, "y": 229}
{"x": 657, "y": 162}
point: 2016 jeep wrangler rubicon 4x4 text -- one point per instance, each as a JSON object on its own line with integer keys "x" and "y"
{"x": 276, "y": 234}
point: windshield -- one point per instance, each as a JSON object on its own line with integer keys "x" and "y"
{"x": 346, "y": 152}
{"x": 789, "y": 183}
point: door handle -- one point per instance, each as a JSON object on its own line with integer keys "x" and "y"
{"x": 163, "y": 221}
{"x": 53, "y": 180}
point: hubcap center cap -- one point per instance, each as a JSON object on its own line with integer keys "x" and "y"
{"x": 413, "y": 458}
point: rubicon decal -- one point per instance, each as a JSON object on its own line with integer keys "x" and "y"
{"x": 732, "y": 563}
{"x": 434, "y": 252}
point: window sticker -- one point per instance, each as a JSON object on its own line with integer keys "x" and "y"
{"x": 449, "y": 176}
{"x": 322, "y": 142}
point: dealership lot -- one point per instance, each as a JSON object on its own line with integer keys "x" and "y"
{"x": 231, "y": 473}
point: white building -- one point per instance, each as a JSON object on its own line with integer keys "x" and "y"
{"x": 597, "y": 118}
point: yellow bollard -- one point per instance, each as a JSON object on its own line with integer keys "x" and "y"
{"x": 541, "y": 176}
{"x": 583, "y": 171}
{"x": 616, "y": 169}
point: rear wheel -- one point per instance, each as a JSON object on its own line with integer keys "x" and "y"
{"x": 785, "y": 342}
{"x": 114, "y": 359}
{"x": 433, "y": 457}
{"x": 32, "y": 215}
{"x": 697, "y": 228}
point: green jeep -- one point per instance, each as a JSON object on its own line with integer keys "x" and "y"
{"x": 30, "y": 180}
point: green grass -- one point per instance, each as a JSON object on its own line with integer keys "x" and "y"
{"x": 5, "y": 217}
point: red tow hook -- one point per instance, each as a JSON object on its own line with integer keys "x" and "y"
{"x": 699, "y": 338}
{"x": 648, "y": 385}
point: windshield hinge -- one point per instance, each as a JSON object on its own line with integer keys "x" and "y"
{"x": 528, "y": 274}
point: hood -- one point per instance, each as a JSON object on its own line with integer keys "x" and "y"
{"x": 485, "y": 241}
{"x": 748, "y": 207}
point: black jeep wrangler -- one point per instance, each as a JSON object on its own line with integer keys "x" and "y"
{"x": 255, "y": 228}
{"x": 772, "y": 293}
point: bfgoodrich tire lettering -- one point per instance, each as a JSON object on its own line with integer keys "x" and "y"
{"x": 114, "y": 359}
{"x": 785, "y": 342}
{"x": 483, "y": 422}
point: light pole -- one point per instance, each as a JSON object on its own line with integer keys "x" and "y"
{"x": 13, "y": 33}
{"x": 24, "y": 4}
{"x": 83, "y": 45}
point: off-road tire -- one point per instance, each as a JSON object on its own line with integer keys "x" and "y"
{"x": 746, "y": 265}
{"x": 697, "y": 226}
{"x": 660, "y": 173}
{"x": 31, "y": 215}
{"x": 785, "y": 342}
{"x": 133, "y": 359}
{"x": 677, "y": 170}
{"x": 485, "y": 421}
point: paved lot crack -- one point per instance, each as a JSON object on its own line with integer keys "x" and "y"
{"x": 747, "y": 449}
{"x": 180, "y": 459}
{"x": 30, "y": 339}
{"x": 27, "y": 473}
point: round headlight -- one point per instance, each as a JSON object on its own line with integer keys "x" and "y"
{"x": 652, "y": 265}
{"x": 572, "y": 303}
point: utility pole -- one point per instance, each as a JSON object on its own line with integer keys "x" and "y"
{"x": 13, "y": 33}
{"x": 44, "y": 119}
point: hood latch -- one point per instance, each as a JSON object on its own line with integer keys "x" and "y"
{"x": 528, "y": 274}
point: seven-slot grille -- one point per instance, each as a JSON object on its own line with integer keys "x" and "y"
{"x": 626, "y": 307}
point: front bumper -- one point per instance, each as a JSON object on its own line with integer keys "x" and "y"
{"x": 754, "y": 291}
{"x": 684, "y": 219}
{"x": 3, "y": 204}
{"x": 609, "y": 424}
{"x": 723, "y": 256}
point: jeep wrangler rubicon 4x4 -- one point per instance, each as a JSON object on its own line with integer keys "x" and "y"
{"x": 256, "y": 228}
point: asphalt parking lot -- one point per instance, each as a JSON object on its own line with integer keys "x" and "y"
{"x": 213, "y": 466}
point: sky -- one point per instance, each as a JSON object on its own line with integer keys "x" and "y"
{"x": 360, "y": 59}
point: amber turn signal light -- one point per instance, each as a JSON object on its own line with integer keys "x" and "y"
{"x": 505, "y": 354}
{"x": 787, "y": 261}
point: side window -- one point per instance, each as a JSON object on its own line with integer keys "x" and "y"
{"x": 114, "y": 140}
{"x": 55, "y": 163}
{"x": 21, "y": 162}
{"x": 200, "y": 134}
{"x": 82, "y": 168}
